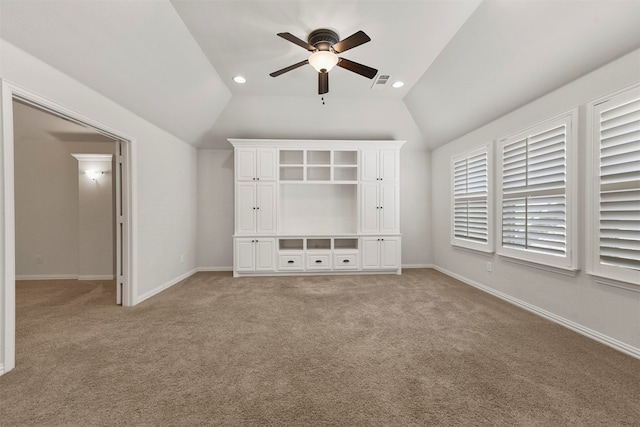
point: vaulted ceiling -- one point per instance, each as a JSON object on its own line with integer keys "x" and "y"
{"x": 464, "y": 62}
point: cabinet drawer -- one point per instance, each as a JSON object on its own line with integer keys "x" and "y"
{"x": 318, "y": 262}
{"x": 290, "y": 262}
{"x": 345, "y": 262}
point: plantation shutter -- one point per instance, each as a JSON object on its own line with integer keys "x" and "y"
{"x": 534, "y": 201}
{"x": 619, "y": 187}
{"x": 470, "y": 193}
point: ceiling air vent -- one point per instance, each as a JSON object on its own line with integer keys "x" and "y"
{"x": 381, "y": 81}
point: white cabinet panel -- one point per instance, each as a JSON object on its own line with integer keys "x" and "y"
{"x": 265, "y": 254}
{"x": 379, "y": 207}
{"x": 245, "y": 208}
{"x": 388, "y": 166}
{"x": 380, "y": 253}
{"x": 266, "y": 164}
{"x": 255, "y": 208}
{"x": 255, "y": 164}
{"x": 369, "y": 165}
{"x": 388, "y": 200}
{"x": 266, "y": 208}
{"x": 244, "y": 256}
{"x": 254, "y": 254}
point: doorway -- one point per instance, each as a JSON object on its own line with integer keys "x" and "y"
{"x": 121, "y": 173}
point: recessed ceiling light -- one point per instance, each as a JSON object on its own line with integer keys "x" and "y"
{"x": 398, "y": 84}
{"x": 239, "y": 79}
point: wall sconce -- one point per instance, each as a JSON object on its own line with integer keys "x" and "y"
{"x": 94, "y": 174}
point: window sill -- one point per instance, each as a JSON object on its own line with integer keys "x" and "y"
{"x": 485, "y": 252}
{"x": 606, "y": 281}
{"x": 559, "y": 270}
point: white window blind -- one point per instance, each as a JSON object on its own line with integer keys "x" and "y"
{"x": 616, "y": 147}
{"x": 471, "y": 207}
{"x": 534, "y": 194}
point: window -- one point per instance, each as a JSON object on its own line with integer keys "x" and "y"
{"x": 472, "y": 213}
{"x": 614, "y": 172}
{"x": 536, "y": 197}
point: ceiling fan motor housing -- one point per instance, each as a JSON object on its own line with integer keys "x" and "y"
{"x": 323, "y": 39}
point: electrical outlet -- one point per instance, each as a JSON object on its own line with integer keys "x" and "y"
{"x": 181, "y": 258}
{"x": 488, "y": 266}
{"x": 39, "y": 259}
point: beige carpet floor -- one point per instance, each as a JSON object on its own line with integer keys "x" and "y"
{"x": 417, "y": 349}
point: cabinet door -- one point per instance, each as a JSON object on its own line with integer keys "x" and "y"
{"x": 266, "y": 164}
{"x": 388, "y": 167}
{"x": 390, "y": 252}
{"x": 388, "y": 197}
{"x": 245, "y": 164}
{"x": 266, "y": 208}
{"x": 265, "y": 254}
{"x": 244, "y": 255}
{"x": 369, "y": 208}
{"x": 369, "y": 165}
{"x": 370, "y": 253}
{"x": 245, "y": 208}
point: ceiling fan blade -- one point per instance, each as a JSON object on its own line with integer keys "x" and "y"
{"x": 350, "y": 42}
{"x": 289, "y": 68}
{"x": 293, "y": 39}
{"x": 323, "y": 83}
{"x": 363, "y": 70}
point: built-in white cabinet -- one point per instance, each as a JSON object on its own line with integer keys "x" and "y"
{"x": 379, "y": 207}
{"x": 253, "y": 255}
{"x": 380, "y": 165}
{"x": 316, "y": 207}
{"x": 255, "y": 164}
{"x": 381, "y": 253}
{"x": 256, "y": 208}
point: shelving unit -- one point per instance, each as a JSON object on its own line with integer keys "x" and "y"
{"x": 322, "y": 211}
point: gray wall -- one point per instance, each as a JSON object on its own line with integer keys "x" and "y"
{"x": 610, "y": 311}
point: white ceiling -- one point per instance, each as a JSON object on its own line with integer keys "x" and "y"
{"x": 464, "y": 63}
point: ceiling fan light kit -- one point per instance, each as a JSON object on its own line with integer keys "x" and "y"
{"x": 325, "y": 45}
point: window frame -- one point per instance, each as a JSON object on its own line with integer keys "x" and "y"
{"x": 594, "y": 266}
{"x": 461, "y": 242}
{"x": 568, "y": 262}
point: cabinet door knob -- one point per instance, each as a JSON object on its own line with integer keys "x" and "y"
{"x": 258, "y": 207}
{"x": 258, "y": 179}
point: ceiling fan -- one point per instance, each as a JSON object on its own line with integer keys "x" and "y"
{"x": 325, "y": 45}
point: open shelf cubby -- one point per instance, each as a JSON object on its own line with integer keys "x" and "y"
{"x": 345, "y": 157}
{"x": 317, "y": 157}
{"x": 318, "y": 244}
{"x": 318, "y": 173}
{"x": 345, "y": 173}
{"x": 291, "y": 244}
{"x": 291, "y": 173}
{"x": 345, "y": 243}
{"x": 291, "y": 157}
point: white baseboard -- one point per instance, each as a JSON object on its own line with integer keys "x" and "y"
{"x": 164, "y": 286}
{"x": 96, "y": 277}
{"x": 417, "y": 266}
{"x": 214, "y": 269}
{"x": 47, "y": 277}
{"x": 583, "y": 330}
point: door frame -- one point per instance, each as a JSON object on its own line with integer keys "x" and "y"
{"x": 9, "y": 93}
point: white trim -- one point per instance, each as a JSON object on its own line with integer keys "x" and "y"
{"x": 1, "y": 369}
{"x": 9, "y": 92}
{"x": 570, "y": 261}
{"x": 95, "y": 277}
{"x": 417, "y": 265}
{"x": 539, "y": 265}
{"x": 47, "y": 277}
{"x": 576, "y": 327}
{"x": 602, "y": 273}
{"x": 165, "y": 286}
{"x": 204, "y": 269}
